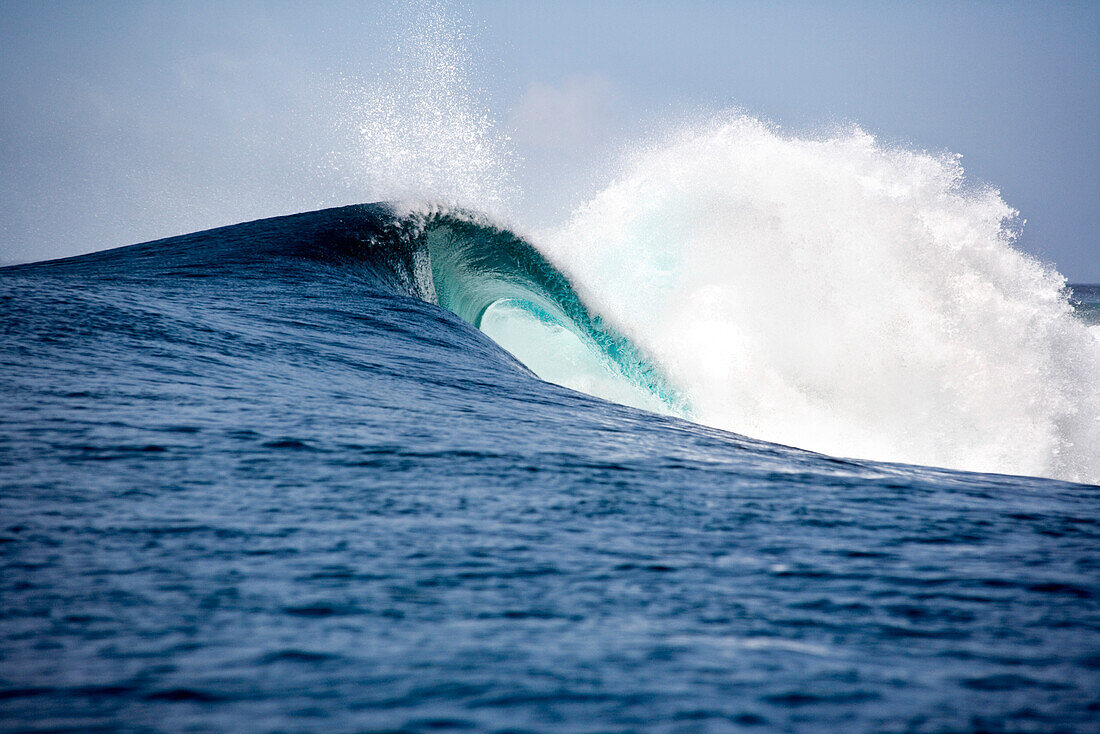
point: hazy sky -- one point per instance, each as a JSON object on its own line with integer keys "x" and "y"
{"x": 123, "y": 122}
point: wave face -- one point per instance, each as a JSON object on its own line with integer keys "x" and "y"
{"x": 842, "y": 296}
{"x": 496, "y": 281}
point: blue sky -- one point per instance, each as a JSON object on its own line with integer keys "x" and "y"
{"x": 124, "y": 122}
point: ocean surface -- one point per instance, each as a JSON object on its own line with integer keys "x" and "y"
{"x": 271, "y": 477}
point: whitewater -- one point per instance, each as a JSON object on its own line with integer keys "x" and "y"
{"x": 843, "y": 296}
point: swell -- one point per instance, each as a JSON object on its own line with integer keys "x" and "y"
{"x": 448, "y": 257}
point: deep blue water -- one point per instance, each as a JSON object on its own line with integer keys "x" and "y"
{"x": 250, "y": 481}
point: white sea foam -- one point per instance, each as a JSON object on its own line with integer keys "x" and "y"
{"x": 841, "y": 295}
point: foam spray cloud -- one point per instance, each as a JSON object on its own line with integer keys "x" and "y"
{"x": 841, "y": 295}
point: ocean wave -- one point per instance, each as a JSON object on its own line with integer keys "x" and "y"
{"x": 752, "y": 316}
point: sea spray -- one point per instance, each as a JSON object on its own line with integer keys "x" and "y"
{"x": 421, "y": 130}
{"x": 844, "y": 296}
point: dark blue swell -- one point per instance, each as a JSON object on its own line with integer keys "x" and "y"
{"x": 451, "y": 258}
{"x": 254, "y": 480}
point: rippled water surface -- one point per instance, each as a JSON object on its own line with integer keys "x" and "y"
{"x": 282, "y": 496}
